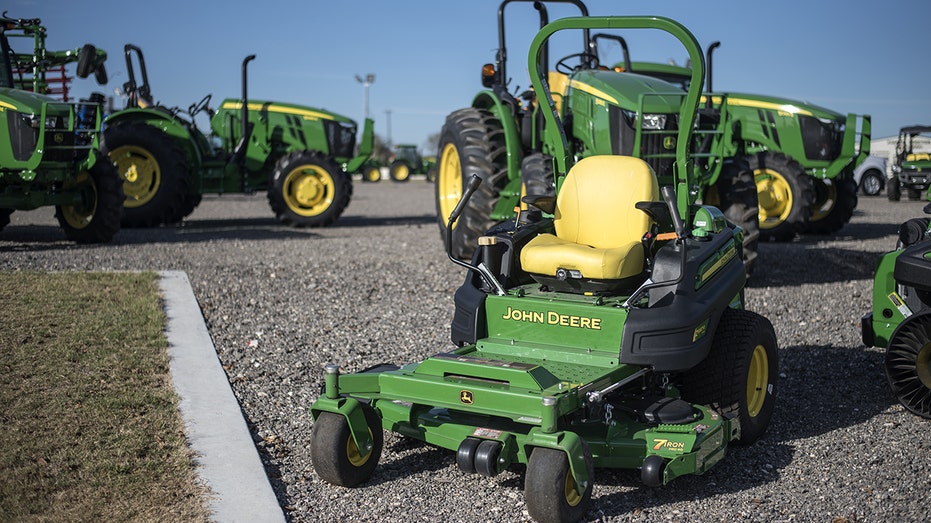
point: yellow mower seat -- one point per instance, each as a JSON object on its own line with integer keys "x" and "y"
{"x": 598, "y": 229}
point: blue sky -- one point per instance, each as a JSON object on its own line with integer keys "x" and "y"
{"x": 865, "y": 57}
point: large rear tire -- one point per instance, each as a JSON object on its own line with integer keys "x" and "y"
{"x": 308, "y": 189}
{"x": 835, "y": 201}
{"x": 536, "y": 174}
{"x": 96, "y": 219}
{"x": 908, "y": 364}
{"x": 735, "y": 194}
{"x": 550, "y": 489}
{"x": 471, "y": 142}
{"x": 740, "y": 374}
{"x": 155, "y": 175}
{"x": 785, "y": 195}
{"x": 5, "y": 217}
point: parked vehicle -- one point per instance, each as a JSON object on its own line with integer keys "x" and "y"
{"x": 870, "y": 176}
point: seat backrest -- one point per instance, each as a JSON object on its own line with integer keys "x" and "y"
{"x": 596, "y": 203}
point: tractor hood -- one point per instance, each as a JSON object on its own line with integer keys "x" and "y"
{"x": 625, "y": 90}
{"x": 782, "y": 104}
{"x": 310, "y": 113}
{"x": 22, "y": 101}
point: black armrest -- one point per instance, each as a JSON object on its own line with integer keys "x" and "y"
{"x": 546, "y": 203}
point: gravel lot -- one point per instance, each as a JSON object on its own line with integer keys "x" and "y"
{"x": 376, "y": 287}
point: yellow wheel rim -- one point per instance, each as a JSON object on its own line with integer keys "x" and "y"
{"x": 401, "y": 172}
{"x": 449, "y": 181}
{"x": 572, "y": 495}
{"x": 80, "y": 216}
{"x": 308, "y": 190}
{"x": 757, "y": 380}
{"x": 141, "y": 174}
{"x": 352, "y": 452}
{"x": 775, "y": 198}
{"x": 827, "y": 192}
{"x": 372, "y": 175}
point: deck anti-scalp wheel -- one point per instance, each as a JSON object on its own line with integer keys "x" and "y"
{"x": 908, "y": 364}
{"x": 550, "y": 490}
{"x": 335, "y": 455}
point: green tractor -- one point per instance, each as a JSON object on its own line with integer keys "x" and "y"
{"x": 803, "y": 156}
{"x": 901, "y": 317}
{"x": 499, "y": 138}
{"x": 604, "y": 327}
{"x": 302, "y": 156}
{"x": 912, "y": 169}
{"x": 48, "y": 148}
{"x": 408, "y": 161}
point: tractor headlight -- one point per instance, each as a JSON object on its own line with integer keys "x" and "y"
{"x": 654, "y": 122}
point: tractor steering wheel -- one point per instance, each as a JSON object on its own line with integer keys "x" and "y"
{"x": 586, "y": 61}
{"x": 199, "y": 106}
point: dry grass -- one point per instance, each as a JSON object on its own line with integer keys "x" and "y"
{"x": 91, "y": 427}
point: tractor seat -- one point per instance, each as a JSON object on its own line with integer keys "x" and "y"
{"x": 598, "y": 245}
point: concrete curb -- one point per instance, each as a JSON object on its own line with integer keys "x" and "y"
{"x": 216, "y": 430}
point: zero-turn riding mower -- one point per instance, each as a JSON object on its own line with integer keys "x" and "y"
{"x": 603, "y": 327}
{"x": 302, "y": 156}
{"x": 901, "y": 317}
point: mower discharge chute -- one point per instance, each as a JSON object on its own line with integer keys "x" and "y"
{"x": 603, "y": 327}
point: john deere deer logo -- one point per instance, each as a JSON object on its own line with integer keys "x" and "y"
{"x": 465, "y": 396}
{"x": 669, "y": 142}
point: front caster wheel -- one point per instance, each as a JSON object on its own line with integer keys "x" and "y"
{"x": 550, "y": 489}
{"x": 335, "y": 455}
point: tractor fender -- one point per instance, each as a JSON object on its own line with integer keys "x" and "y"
{"x": 490, "y": 101}
{"x": 168, "y": 123}
{"x": 351, "y": 409}
{"x": 366, "y": 146}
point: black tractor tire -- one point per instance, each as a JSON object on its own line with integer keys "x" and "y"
{"x": 431, "y": 174}
{"x": 894, "y": 190}
{"x": 5, "y": 217}
{"x": 835, "y": 201}
{"x": 735, "y": 194}
{"x": 191, "y": 201}
{"x": 536, "y": 175}
{"x": 872, "y": 182}
{"x": 308, "y": 189}
{"x": 785, "y": 195}
{"x": 549, "y": 489}
{"x": 740, "y": 375}
{"x": 371, "y": 174}
{"x": 399, "y": 171}
{"x": 914, "y": 194}
{"x": 155, "y": 175}
{"x": 334, "y": 454}
{"x": 908, "y": 364}
{"x": 97, "y": 218}
{"x": 86, "y": 59}
{"x": 471, "y": 142}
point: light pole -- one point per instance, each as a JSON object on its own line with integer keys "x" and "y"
{"x": 388, "y": 117}
{"x": 366, "y": 82}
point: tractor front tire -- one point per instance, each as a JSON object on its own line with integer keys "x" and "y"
{"x": 835, "y": 201}
{"x": 399, "y": 171}
{"x": 308, "y": 189}
{"x": 155, "y": 175}
{"x": 908, "y": 364}
{"x": 735, "y": 194}
{"x": 5, "y": 217}
{"x": 740, "y": 374}
{"x": 371, "y": 174}
{"x": 785, "y": 195}
{"x": 550, "y": 489}
{"x": 471, "y": 142}
{"x": 97, "y": 218}
{"x": 336, "y": 458}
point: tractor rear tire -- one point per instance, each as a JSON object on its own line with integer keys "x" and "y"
{"x": 97, "y": 218}
{"x": 155, "y": 175}
{"x": 914, "y": 194}
{"x": 785, "y": 194}
{"x": 549, "y": 488}
{"x": 5, "y": 217}
{"x": 471, "y": 142}
{"x": 894, "y": 190}
{"x": 740, "y": 374}
{"x": 735, "y": 194}
{"x": 537, "y": 177}
{"x": 308, "y": 189}
{"x": 333, "y": 451}
{"x": 399, "y": 171}
{"x": 835, "y": 202}
{"x": 908, "y": 364}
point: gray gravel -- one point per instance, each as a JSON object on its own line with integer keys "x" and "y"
{"x": 376, "y": 287}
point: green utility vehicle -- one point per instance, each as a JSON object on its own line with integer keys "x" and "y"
{"x": 901, "y": 317}
{"x": 48, "y": 148}
{"x": 408, "y": 161}
{"x": 603, "y": 327}
{"x": 499, "y": 138}
{"x": 912, "y": 169}
{"x": 803, "y": 156}
{"x": 302, "y": 156}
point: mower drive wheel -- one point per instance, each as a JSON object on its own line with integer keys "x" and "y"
{"x": 735, "y": 194}
{"x": 740, "y": 374}
{"x": 155, "y": 175}
{"x": 96, "y": 219}
{"x": 835, "y": 201}
{"x": 550, "y": 490}
{"x": 308, "y": 189}
{"x": 399, "y": 171}
{"x": 336, "y": 457}
{"x": 908, "y": 364}
{"x": 785, "y": 195}
{"x": 471, "y": 142}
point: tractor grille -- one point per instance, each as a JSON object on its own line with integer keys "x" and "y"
{"x": 23, "y": 137}
{"x": 657, "y": 147}
{"x": 821, "y": 140}
{"x": 341, "y": 138}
